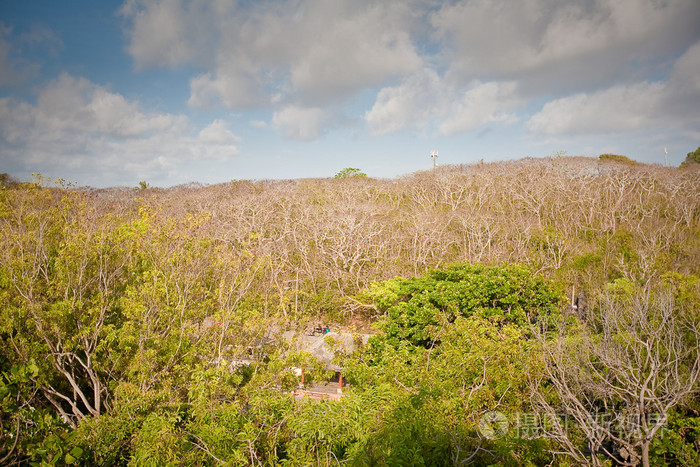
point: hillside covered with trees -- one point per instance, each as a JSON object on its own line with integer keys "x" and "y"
{"x": 533, "y": 312}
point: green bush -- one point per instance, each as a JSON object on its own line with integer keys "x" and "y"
{"x": 416, "y": 309}
{"x": 7, "y": 180}
{"x": 616, "y": 158}
{"x": 350, "y": 172}
{"x": 676, "y": 444}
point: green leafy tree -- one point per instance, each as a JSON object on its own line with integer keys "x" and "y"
{"x": 350, "y": 172}
{"x": 418, "y": 309}
{"x": 436, "y": 397}
{"x": 454, "y": 347}
{"x": 62, "y": 279}
{"x": 31, "y": 433}
{"x": 136, "y": 311}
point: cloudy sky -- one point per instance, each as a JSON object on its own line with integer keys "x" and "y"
{"x": 172, "y": 91}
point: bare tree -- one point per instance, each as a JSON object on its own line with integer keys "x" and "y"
{"x": 618, "y": 376}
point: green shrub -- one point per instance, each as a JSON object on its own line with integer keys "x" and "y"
{"x": 693, "y": 157}
{"x": 350, "y": 172}
{"x": 8, "y": 180}
{"x": 416, "y": 309}
{"x": 616, "y": 158}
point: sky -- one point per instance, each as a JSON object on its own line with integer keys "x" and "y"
{"x": 169, "y": 92}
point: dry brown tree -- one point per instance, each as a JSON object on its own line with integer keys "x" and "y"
{"x": 614, "y": 380}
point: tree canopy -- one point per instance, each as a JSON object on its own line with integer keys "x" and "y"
{"x": 512, "y": 307}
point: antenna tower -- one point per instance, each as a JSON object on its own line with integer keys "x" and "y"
{"x": 434, "y": 156}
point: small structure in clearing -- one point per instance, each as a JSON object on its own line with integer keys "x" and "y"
{"x": 323, "y": 348}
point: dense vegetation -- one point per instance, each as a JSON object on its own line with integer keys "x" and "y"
{"x": 540, "y": 312}
{"x": 616, "y": 158}
{"x": 693, "y": 157}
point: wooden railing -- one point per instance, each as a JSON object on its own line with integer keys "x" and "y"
{"x": 302, "y": 393}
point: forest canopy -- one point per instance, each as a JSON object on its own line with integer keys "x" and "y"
{"x": 534, "y": 312}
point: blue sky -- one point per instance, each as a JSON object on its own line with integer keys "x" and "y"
{"x": 112, "y": 93}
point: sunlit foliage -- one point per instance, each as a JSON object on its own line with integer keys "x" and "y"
{"x": 142, "y": 325}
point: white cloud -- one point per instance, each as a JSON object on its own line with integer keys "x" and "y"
{"x": 620, "y": 108}
{"x": 82, "y": 128}
{"x": 413, "y": 103}
{"x": 685, "y": 70}
{"x": 448, "y": 66}
{"x": 300, "y": 123}
{"x": 552, "y": 44}
{"x": 216, "y": 141}
{"x": 258, "y": 124}
{"x": 311, "y": 51}
{"x": 75, "y": 104}
{"x": 643, "y": 106}
{"x": 424, "y": 99}
{"x": 167, "y": 33}
{"x": 346, "y": 48}
{"x": 234, "y": 89}
{"x": 218, "y": 133}
{"x": 318, "y": 49}
{"x": 684, "y": 85}
{"x": 484, "y": 103}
